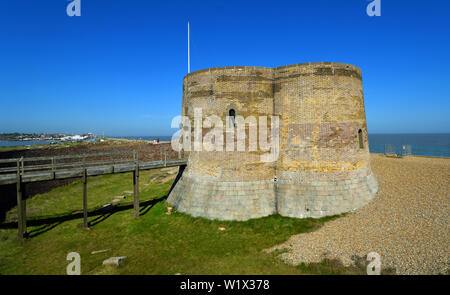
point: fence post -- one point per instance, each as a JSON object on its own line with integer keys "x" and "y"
{"x": 85, "y": 213}
{"x": 24, "y": 201}
{"x": 136, "y": 183}
{"x": 20, "y": 207}
{"x": 53, "y": 167}
{"x": 113, "y": 162}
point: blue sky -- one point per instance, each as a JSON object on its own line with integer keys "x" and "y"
{"x": 118, "y": 68}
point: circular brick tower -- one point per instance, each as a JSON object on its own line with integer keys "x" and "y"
{"x": 323, "y": 165}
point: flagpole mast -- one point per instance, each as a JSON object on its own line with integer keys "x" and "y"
{"x": 189, "y": 53}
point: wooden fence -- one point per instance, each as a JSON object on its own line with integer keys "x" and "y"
{"x": 21, "y": 170}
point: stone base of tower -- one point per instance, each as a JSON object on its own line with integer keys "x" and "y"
{"x": 324, "y": 198}
{"x": 223, "y": 200}
{"x": 246, "y": 200}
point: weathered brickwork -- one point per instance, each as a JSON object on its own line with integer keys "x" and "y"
{"x": 323, "y": 167}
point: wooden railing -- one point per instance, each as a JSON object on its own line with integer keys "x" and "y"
{"x": 57, "y": 167}
{"x": 62, "y": 162}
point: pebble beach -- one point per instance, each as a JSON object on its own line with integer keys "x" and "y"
{"x": 407, "y": 222}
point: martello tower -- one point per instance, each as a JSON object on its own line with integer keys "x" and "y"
{"x": 323, "y": 167}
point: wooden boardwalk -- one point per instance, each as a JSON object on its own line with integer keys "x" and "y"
{"x": 22, "y": 170}
{"x": 11, "y": 178}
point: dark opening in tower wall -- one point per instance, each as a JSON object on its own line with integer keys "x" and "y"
{"x": 232, "y": 115}
{"x": 361, "y": 140}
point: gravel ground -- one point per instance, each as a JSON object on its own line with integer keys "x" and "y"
{"x": 406, "y": 222}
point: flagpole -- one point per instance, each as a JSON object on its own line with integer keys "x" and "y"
{"x": 189, "y": 53}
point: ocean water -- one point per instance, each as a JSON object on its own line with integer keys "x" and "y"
{"x": 434, "y": 145}
{"x": 149, "y": 138}
{"x": 23, "y": 143}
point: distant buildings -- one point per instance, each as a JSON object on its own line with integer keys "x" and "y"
{"x": 48, "y": 137}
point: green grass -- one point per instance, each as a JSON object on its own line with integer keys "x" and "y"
{"x": 155, "y": 243}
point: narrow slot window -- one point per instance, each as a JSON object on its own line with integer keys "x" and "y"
{"x": 360, "y": 138}
{"x": 232, "y": 115}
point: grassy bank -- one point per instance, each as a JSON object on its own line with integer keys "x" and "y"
{"x": 58, "y": 145}
{"x": 155, "y": 243}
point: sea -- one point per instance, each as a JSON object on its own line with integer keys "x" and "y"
{"x": 149, "y": 138}
{"x": 23, "y": 142}
{"x": 432, "y": 145}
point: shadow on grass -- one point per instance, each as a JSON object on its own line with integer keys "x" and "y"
{"x": 330, "y": 266}
{"x": 334, "y": 266}
{"x": 46, "y": 223}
